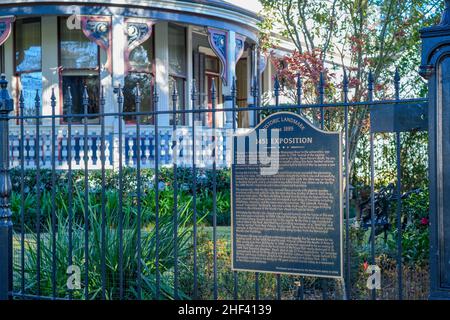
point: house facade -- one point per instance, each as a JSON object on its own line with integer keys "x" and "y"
{"x": 50, "y": 46}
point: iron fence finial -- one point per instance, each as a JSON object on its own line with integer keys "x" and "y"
{"x": 138, "y": 97}
{"x": 370, "y": 80}
{"x": 69, "y": 93}
{"x": 345, "y": 81}
{"x": 299, "y": 89}
{"x": 213, "y": 88}
{"x": 6, "y": 102}
{"x": 174, "y": 91}
{"x": 119, "y": 91}
{"x": 53, "y": 100}
{"x": 102, "y": 100}
{"x": 321, "y": 83}
{"x": 37, "y": 104}
{"x": 397, "y": 83}
{"x": 69, "y": 100}
{"x": 255, "y": 89}
{"x": 397, "y": 75}
{"x": 299, "y": 80}
{"x": 233, "y": 87}
{"x": 85, "y": 99}
{"x": 21, "y": 100}
{"x": 194, "y": 89}
{"x": 155, "y": 93}
{"x": 3, "y": 81}
{"x": 276, "y": 86}
{"x": 137, "y": 91}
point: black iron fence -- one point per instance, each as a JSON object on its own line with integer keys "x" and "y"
{"x": 152, "y": 229}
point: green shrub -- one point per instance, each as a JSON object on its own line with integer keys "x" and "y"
{"x": 130, "y": 261}
{"x": 129, "y": 194}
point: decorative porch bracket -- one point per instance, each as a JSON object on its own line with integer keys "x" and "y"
{"x": 262, "y": 63}
{"x": 218, "y": 40}
{"x": 436, "y": 69}
{"x": 137, "y": 31}
{"x": 98, "y": 30}
{"x": 240, "y": 46}
{"x": 5, "y": 28}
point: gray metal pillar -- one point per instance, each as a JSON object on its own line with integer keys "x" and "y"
{"x": 6, "y": 106}
{"x": 436, "y": 69}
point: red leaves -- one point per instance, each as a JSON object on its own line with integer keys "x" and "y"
{"x": 308, "y": 64}
{"x": 353, "y": 82}
{"x": 380, "y": 87}
{"x": 357, "y": 44}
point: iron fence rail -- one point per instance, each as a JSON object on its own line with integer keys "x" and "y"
{"x": 22, "y": 288}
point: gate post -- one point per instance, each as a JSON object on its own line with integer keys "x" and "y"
{"x": 436, "y": 69}
{"x": 6, "y": 106}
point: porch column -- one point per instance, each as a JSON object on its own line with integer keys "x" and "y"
{"x": 251, "y": 72}
{"x": 190, "y": 74}
{"x": 267, "y": 81}
{"x": 162, "y": 69}
{"x": 436, "y": 69}
{"x": 109, "y": 81}
{"x": 50, "y": 77}
{"x": 231, "y": 74}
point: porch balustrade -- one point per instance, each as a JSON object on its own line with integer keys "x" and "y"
{"x": 183, "y": 136}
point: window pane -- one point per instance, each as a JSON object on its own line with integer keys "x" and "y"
{"x": 177, "y": 50}
{"x": 28, "y": 45}
{"x": 212, "y": 64}
{"x": 77, "y": 84}
{"x": 77, "y": 51}
{"x": 145, "y": 85}
{"x": 180, "y": 83}
{"x": 29, "y": 83}
{"x": 141, "y": 57}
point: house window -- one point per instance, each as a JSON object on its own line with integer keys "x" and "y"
{"x": 28, "y": 61}
{"x": 212, "y": 65}
{"x": 77, "y": 82}
{"x": 141, "y": 57}
{"x": 212, "y": 74}
{"x": 79, "y": 68}
{"x": 180, "y": 84}
{"x": 140, "y": 72}
{"x": 145, "y": 84}
{"x": 178, "y": 68}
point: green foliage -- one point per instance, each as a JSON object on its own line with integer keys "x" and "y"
{"x": 111, "y": 249}
{"x": 113, "y": 218}
{"x": 129, "y": 191}
{"x": 413, "y": 160}
{"x": 415, "y": 240}
{"x": 415, "y": 234}
{"x": 361, "y": 36}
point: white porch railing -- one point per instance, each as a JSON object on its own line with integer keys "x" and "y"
{"x": 183, "y": 151}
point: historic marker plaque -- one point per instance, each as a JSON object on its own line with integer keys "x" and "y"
{"x": 286, "y": 199}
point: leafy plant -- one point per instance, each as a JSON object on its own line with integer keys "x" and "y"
{"x": 110, "y": 248}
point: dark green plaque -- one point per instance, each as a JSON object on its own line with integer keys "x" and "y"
{"x": 287, "y": 199}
